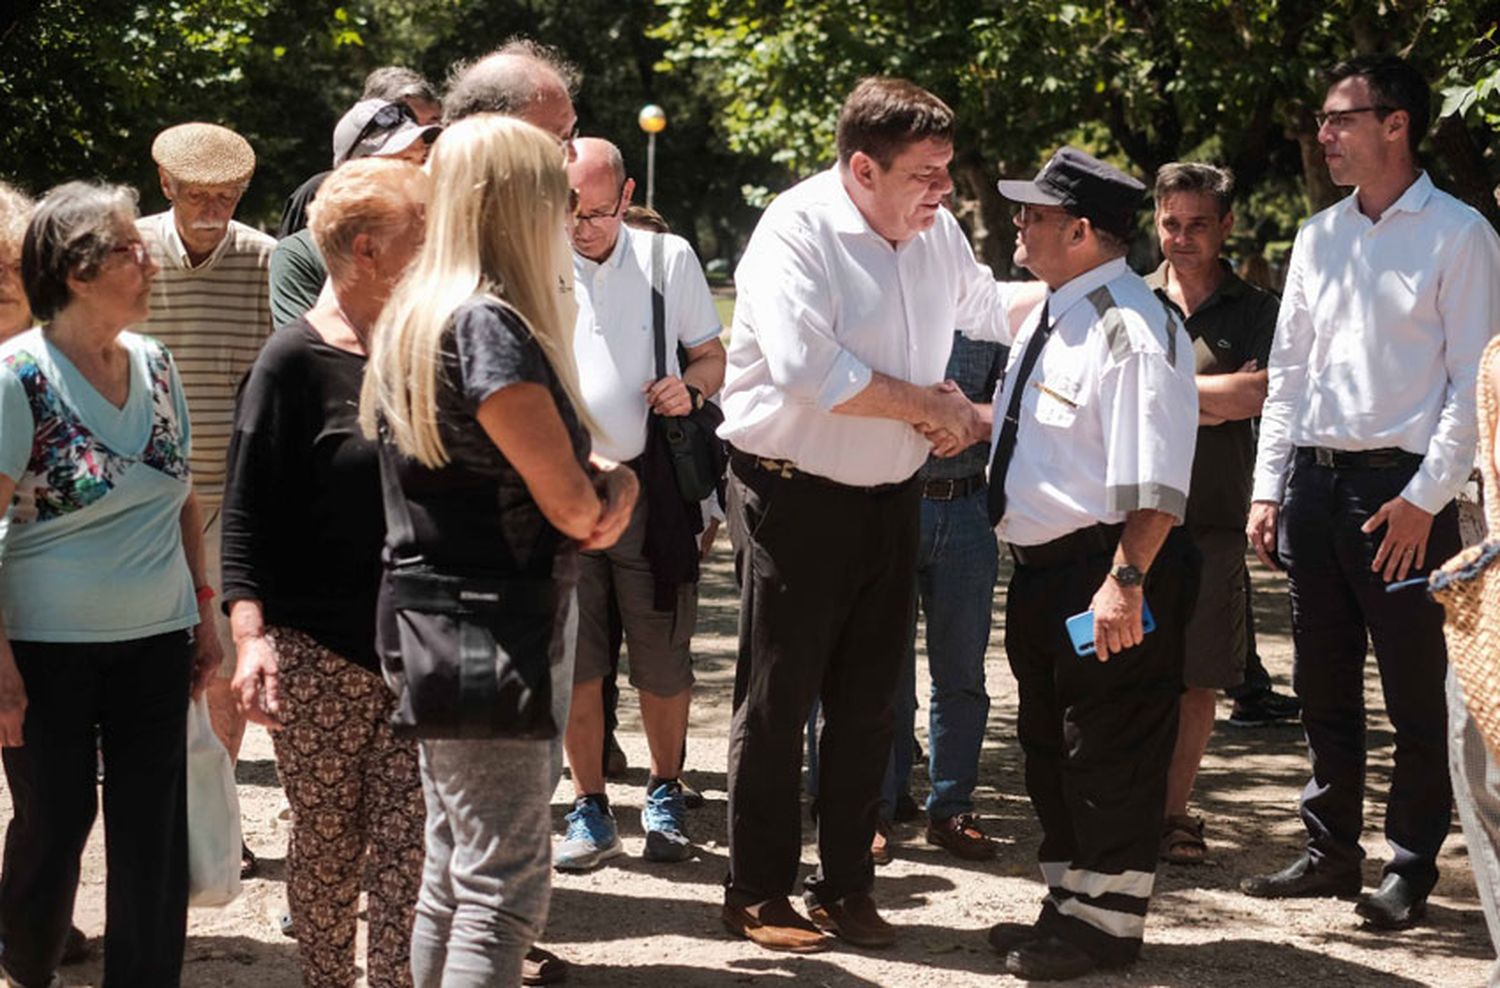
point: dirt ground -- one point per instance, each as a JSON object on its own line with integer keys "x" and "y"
{"x": 630, "y": 923}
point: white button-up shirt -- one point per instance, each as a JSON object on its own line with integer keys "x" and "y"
{"x": 1378, "y": 339}
{"x": 1109, "y": 416}
{"x": 612, "y": 340}
{"x": 822, "y": 302}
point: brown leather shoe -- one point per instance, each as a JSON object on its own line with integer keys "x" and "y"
{"x": 854, "y": 919}
{"x": 775, "y": 925}
{"x": 961, "y": 837}
{"x": 543, "y": 967}
{"x": 880, "y": 845}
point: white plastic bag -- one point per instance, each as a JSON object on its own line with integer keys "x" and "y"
{"x": 213, "y": 808}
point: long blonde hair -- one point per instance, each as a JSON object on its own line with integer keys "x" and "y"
{"x": 495, "y": 225}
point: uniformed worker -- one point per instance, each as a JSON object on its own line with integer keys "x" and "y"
{"x": 849, "y": 292}
{"x": 1088, "y": 486}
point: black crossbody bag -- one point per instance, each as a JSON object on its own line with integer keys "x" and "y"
{"x": 698, "y": 454}
{"x": 472, "y": 656}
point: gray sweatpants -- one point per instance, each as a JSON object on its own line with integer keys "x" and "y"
{"x": 1476, "y": 791}
{"x": 487, "y": 880}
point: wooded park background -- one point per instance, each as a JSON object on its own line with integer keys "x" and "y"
{"x": 751, "y": 88}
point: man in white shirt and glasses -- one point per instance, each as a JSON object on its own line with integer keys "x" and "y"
{"x": 848, "y": 295}
{"x": 1368, "y": 433}
{"x": 1095, "y": 427}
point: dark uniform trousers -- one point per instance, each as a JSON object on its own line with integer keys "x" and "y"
{"x": 1098, "y": 737}
{"x": 1337, "y": 605}
{"x": 827, "y": 579}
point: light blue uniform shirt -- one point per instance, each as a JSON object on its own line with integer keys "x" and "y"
{"x": 91, "y": 545}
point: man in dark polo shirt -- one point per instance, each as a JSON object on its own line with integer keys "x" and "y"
{"x": 1231, "y": 324}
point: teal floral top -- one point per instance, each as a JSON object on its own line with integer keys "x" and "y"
{"x": 91, "y": 546}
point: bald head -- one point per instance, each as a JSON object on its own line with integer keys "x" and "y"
{"x": 598, "y": 162}
{"x": 522, "y": 79}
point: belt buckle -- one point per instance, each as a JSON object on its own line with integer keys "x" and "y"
{"x": 1322, "y": 456}
{"x": 946, "y": 495}
{"x": 783, "y": 468}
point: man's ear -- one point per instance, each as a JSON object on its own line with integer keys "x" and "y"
{"x": 166, "y": 182}
{"x": 1397, "y": 123}
{"x": 627, "y": 191}
{"x": 1226, "y": 225}
{"x": 863, "y": 168}
{"x": 363, "y": 251}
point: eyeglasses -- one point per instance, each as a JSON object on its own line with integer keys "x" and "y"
{"x": 1340, "y": 119}
{"x": 600, "y": 217}
{"x": 1030, "y": 213}
{"x": 138, "y": 251}
{"x": 388, "y": 117}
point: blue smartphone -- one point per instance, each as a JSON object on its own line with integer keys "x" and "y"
{"x": 1081, "y": 628}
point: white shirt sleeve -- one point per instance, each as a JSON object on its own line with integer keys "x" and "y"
{"x": 1286, "y": 383}
{"x": 1150, "y": 416}
{"x": 983, "y": 303}
{"x": 1469, "y": 302}
{"x": 691, "y": 310}
{"x": 785, "y": 299}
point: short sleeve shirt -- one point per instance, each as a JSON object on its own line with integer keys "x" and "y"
{"x": 92, "y": 541}
{"x": 475, "y": 515}
{"x": 1233, "y": 326}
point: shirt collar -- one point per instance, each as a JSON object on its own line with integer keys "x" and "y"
{"x": 176, "y": 250}
{"x": 616, "y": 258}
{"x": 1232, "y": 287}
{"x": 1061, "y": 300}
{"x": 844, "y": 213}
{"x": 1413, "y": 200}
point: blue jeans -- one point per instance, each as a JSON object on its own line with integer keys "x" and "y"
{"x": 957, "y": 562}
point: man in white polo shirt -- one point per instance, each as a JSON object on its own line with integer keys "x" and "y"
{"x": 848, "y": 296}
{"x": 615, "y": 348}
{"x": 1368, "y": 433}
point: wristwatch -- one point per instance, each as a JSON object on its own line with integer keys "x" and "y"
{"x": 695, "y": 396}
{"x": 1127, "y": 575}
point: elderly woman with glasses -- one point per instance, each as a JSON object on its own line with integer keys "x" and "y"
{"x": 101, "y": 625}
{"x": 302, "y": 534}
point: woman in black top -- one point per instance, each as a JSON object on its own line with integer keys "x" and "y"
{"x": 301, "y": 561}
{"x": 472, "y": 384}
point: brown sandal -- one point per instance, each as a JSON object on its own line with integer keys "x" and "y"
{"x": 1182, "y": 841}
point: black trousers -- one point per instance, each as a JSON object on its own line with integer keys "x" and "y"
{"x": 1338, "y": 606}
{"x": 136, "y": 694}
{"x": 827, "y": 585}
{"x": 1098, "y": 737}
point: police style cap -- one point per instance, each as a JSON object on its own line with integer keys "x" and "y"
{"x": 204, "y": 154}
{"x": 377, "y": 127}
{"x": 1084, "y": 186}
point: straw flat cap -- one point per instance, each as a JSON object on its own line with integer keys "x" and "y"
{"x": 204, "y": 154}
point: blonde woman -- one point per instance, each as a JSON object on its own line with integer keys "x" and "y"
{"x": 471, "y": 383}
{"x": 302, "y": 536}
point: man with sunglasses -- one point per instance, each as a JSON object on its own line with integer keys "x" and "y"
{"x": 210, "y": 305}
{"x": 614, "y": 347}
{"x": 1367, "y": 435}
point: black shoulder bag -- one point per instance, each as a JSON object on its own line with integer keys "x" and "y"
{"x": 472, "y": 656}
{"x": 698, "y": 455}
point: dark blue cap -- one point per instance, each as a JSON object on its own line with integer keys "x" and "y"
{"x": 1084, "y": 186}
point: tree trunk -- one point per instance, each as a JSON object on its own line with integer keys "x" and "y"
{"x": 1321, "y": 192}
{"x": 987, "y": 213}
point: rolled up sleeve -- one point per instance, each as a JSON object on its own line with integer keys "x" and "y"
{"x": 785, "y": 300}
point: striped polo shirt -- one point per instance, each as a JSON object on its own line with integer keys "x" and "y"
{"x": 213, "y": 318}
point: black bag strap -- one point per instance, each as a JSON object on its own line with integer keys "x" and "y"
{"x": 659, "y": 303}
{"x": 397, "y": 515}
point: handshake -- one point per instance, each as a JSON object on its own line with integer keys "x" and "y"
{"x": 950, "y": 421}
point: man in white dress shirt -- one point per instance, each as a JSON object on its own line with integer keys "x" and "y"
{"x": 1368, "y": 433}
{"x": 848, "y": 295}
{"x": 1089, "y": 488}
{"x": 613, "y": 344}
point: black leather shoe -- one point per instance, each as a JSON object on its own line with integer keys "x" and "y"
{"x": 1048, "y": 959}
{"x": 1396, "y": 906}
{"x": 1300, "y": 880}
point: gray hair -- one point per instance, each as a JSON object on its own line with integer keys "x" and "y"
{"x": 396, "y": 82}
{"x": 505, "y": 81}
{"x": 1196, "y": 178}
{"x": 71, "y": 233}
{"x": 15, "y": 211}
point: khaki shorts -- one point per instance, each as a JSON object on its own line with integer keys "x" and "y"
{"x": 211, "y": 573}
{"x": 658, "y": 644}
{"x": 1216, "y": 634}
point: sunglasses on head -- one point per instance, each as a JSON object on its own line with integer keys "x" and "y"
{"x": 388, "y": 117}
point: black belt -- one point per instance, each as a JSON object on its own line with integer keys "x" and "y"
{"x": 952, "y": 488}
{"x": 787, "y": 470}
{"x": 1387, "y": 458}
{"x": 1070, "y": 548}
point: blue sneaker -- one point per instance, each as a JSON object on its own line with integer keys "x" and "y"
{"x": 664, "y": 818}
{"x": 591, "y": 838}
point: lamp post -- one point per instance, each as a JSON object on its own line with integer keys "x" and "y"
{"x": 653, "y": 121}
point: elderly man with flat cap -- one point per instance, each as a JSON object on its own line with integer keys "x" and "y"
{"x": 1088, "y": 487}
{"x": 211, "y": 306}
